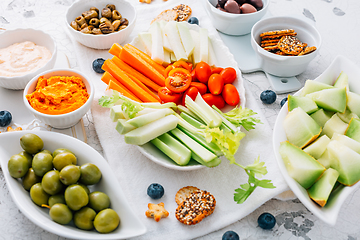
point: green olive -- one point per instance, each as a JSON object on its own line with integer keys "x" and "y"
{"x": 84, "y": 218}
{"x": 70, "y": 174}
{"x": 38, "y": 195}
{"x": 27, "y": 156}
{"x": 76, "y": 197}
{"x": 60, "y": 213}
{"x": 31, "y": 143}
{"x": 63, "y": 159}
{"x": 30, "y": 179}
{"x": 106, "y": 221}
{"x": 58, "y": 198}
{"x": 99, "y": 201}
{"x": 51, "y": 182}
{"x": 90, "y": 174}
{"x": 61, "y": 150}
{"x": 46, "y": 151}
{"x": 18, "y": 166}
{"x": 42, "y": 163}
{"x": 84, "y": 187}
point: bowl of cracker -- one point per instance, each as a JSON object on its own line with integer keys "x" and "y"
{"x": 285, "y": 45}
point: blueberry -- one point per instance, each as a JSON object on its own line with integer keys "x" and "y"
{"x": 230, "y": 235}
{"x": 283, "y": 101}
{"x": 266, "y": 221}
{"x": 97, "y": 64}
{"x": 155, "y": 191}
{"x": 193, "y": 20}
{"x": 5, "y": 118}
{"x": 268, "y": 96}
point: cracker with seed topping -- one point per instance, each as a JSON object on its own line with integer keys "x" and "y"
{"x": 183, "y": 193}
{"x": 290, "y": 45}
{"x": 184, "y": 11}
{"x": 167, "y": 15}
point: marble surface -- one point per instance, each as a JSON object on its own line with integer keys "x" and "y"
{"x": 337, "y": 23}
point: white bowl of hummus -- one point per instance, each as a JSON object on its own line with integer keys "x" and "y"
{"x": 59, "y": 97}
{"x": 24, "y": 53}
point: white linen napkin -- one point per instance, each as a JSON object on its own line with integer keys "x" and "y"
{"x": 135, "y": 172}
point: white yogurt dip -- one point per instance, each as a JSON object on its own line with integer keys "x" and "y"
{"x": 22, "y": 58}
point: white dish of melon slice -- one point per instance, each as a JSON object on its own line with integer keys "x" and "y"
{"x": 223, "y": 58}
{"x": 330, "y": 211}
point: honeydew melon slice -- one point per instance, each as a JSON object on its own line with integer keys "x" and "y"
{"x": 325, "y": 159}
{"x": 300, "y": 128}
{"x": 321, "y": 116}
{"x": 172, "y": 33}
{"x": 320, "y": 191}
{"x": 166, "y": 43}
{"x": 353, "y": 130}
{"x": 204, "y": 45}
{"x": 145, "y": 39}
{"x": 172, "y": 57}
{"x": 353, "y": 103}
{"x": 167, "y": 59}
{"x": 311, "y": 86}
{"x": 196, "y": 53}
{"x": 349, "y": 142}
{"x": 186, "y": 39}
{"x": 347, "y": 116}
{"x": 334, "y": 125}
{"x": 342, "y": 81}
{"x": 302, "y": 167}
{"x": 307, "y": 104}
{"x": 212, "y": 56}
{"x": 318, "y": 147}
{"x": 333, "y": 99}
{"x": 346, "y": 161}
{"x": 157, "y": 48}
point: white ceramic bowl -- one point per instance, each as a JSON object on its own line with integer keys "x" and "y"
{"x": 105, "y": 41}
{"x": 19, "y": 35}
{"x": 285, "y": 66}
{"x": 62, "y": 120}
{"x": 233, "y": 24}
{"x": 330, "y": 211}
{"x": 130, "y": 225}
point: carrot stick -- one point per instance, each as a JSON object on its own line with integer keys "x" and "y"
{"x": 138, "y": 82}
{"x": 142, "y": 66}
{"x": 132, "y": 72}
{"x": 146, "y": 57}
{"x": 124, "y": 79}
{"x": 115, "y": 86}
{"x": 115, "y": 49}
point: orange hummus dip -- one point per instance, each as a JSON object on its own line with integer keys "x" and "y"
{"x": 58, "y": 95}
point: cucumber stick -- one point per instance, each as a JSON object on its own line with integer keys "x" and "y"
{"x": 194, "y": 146}
{"x": 144, "y": 134}
{"x": 173, "y": 149}
{"x": 116, "y": 113}
{"x": 149, "y": 117}
{"x": 123, "y": 127}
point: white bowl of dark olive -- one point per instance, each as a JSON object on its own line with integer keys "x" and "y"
{"x": 100, "y": 23}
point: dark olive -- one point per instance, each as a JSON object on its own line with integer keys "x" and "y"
{"x": 90, "y": 174}
{"x": 111, "y": 7}
{"x": 96, "y": 31}
{"x": 124, "y": 21}
{"x": 116, "y": 24}
{"x": 27, "y": 156}
{"x": 30, "y": 179}
{"x": 31, "y": 143}
{"x": 85, "y": 25}
{"x": 115, "y": 15}
{"x": 18, "y": 166}
{"x": 90, "y": 14}
{"x": 104, "y": 19}
{"x": 122, "y": 27}
{"x": 94, "y": 22}
{"x": 95, "y": 9}
{"x": 80, "y": 20}
{"x": 106, "y": 27}
{"x": 84, "y": 218}
{"x": 106, "y": 12}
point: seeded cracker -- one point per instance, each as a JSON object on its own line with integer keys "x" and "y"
{"x": 183, "y": 193}
{"x": 167, "y": 15}
{"x": 290, "y": 45}
{"x": 307, "y": 50}
{"x": 183, "y": 11}
{"x": 277, "y": 32}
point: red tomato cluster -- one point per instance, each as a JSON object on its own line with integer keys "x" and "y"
{"x": 214, "y": 84}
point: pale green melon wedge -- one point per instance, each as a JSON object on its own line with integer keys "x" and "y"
{"x": 334, "y": 125}
{"x": 307, "y": 104}
{"x": 313, "y": 86}
{"x": 321, "y": 116}
{"x": 302, "y": 167}
{"x": 353, "y": 130}
{"x": 342, "y": 81}
{"x": 347, "y": 115}
{"x": 320, "y": 191}
{"x": 349, "y": 142}
{"x": 325, "y": 159}
{"x": 346, "y": 161}
{"x": 300, "y": 128}
{"x": 333, "y": 99}
{"x": 318, "y": 147}
{"x": 353, "y": 102}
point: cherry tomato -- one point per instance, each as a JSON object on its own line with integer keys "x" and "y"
{"x": 216, "y": 100}
{"x": 193, "y": 75}
{"x": 191, "y": 92}
{"x": 168, "y": 69}
{"x": 203, "y": 72}
{"x": 178, "y": 80}
{"x": 182, "y": 64}
{"x": 167, "y": 96}
{"x": 200, "y": 86}
{"x": 216, "y": 84}
{"x": 216, "y": 70}
{"x": 228, "y": 74}
{"x": 231, "y": 95}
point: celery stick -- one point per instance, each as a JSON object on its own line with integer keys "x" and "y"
{"x": 190, "y": 119}
{"x": 142, "y": 120}
{"x": 212, "y": 163}
{"x": 227, "y": 125}
{"x": 144, "y": 134}
{"x": 194, "y": 146}
{"x": 123, "y": 127}
{"x": 116, "y": 113}
{"x": 173, "y": 149}
{"x": 200, "y": 139}
{"x": 183, "y": 109}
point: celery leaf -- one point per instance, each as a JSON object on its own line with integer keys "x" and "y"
{"x": 131, "y": 108}
{"x": 109, "y": 101}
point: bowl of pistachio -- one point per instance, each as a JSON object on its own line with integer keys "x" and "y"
{"x": 100, "y": 23}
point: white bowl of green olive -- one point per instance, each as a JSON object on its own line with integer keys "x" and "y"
{"x": 100, "y": 23}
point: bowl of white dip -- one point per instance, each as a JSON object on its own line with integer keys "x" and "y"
{"x": 24, "y": 53}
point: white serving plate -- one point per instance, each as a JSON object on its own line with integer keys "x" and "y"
{"x": 130, "y": 225}
{"x": 224, "y": 59}
{"x": 330, "y": 211}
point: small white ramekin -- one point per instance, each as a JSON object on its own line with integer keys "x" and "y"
{"x": 66, "y": 120}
